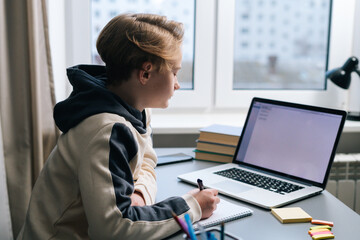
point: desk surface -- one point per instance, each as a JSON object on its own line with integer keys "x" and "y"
{"x": 262, "y": 224}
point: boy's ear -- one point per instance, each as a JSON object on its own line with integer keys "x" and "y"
{"x": 145, "y": 72}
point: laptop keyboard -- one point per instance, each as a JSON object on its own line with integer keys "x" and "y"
{"x": 258, "y": 180}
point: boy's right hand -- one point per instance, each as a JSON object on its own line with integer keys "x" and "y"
{"x": 207, "y": 200}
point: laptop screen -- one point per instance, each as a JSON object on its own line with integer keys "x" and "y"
{"x": 291, "y": 139}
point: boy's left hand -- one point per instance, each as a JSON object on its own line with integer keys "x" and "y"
{"x": 137, "y": 199}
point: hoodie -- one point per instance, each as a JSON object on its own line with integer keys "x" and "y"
{"x": 104, "y": 154}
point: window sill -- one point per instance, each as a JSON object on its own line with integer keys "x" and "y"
{"x": 190, "y": 123}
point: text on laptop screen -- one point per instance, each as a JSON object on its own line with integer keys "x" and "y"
{"x": 293, "y": 141}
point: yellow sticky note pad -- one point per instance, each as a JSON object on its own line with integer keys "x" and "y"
{"x": 318, "y": 230}
{"x": 320, "y": 227}
{"x": 323, "y": 236}
{"x": 291, "y": 215}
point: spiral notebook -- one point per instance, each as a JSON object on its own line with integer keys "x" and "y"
{"x": 225, "y": 212}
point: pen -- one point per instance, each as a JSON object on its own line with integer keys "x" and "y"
{"x": 190, "y": 227}
{"x": 210, "y": 236}
{"x": 222, "y": 231}
{"x": 202, "y": 232}
{"x": 181, "y": 223}
{"x": 200, "y": 184}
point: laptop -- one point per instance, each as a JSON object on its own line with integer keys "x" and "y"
{"x": 284, "y": 154}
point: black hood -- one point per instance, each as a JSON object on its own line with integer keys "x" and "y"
{"x": 89, "y": 97}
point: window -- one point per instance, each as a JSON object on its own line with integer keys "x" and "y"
{"x": 200, "y": 24}
{"x": 255, "y": 69}
{"x": 234, "y": 49}
{"x": 284, "y": 57}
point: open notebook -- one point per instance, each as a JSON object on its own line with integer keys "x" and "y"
{"x": 225, "y": 212}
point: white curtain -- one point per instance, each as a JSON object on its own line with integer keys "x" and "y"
{"x": 26, "y": 100}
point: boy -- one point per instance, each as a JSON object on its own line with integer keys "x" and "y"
{"x": 99, "y": 181}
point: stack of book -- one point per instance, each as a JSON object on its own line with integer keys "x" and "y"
{"x": 217, "y": 143}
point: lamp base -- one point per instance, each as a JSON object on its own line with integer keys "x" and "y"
{"x": 353, "y": 116}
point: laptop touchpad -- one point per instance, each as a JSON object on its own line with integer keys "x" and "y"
{"x": 230, "y": 186}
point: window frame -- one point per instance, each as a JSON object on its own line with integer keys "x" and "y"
{"x": 228, "y": 97}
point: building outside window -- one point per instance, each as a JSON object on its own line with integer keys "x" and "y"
{"x": 281, "y": 55}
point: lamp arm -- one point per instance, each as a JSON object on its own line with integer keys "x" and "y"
{"x": 358, "y": 71}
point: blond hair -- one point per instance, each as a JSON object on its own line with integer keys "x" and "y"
{"x": 129, "y": 40}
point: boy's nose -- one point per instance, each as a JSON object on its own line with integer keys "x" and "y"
{"x": 177, "y": 85}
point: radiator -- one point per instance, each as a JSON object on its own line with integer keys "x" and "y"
{"x": 344, "y": 180}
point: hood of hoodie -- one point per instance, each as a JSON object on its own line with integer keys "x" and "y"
{"x": 89, "y": 97}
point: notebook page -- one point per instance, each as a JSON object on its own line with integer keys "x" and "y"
{"x": 225, "y": 212}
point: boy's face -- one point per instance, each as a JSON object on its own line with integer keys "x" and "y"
{"x": 162, "y": 85}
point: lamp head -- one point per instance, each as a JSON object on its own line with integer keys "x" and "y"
{"x": 342, "y": 76}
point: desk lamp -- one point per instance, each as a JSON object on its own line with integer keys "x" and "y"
{"x": 342, "y": 78}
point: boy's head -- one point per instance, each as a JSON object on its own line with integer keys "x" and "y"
{"x": 129, "y": 40}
